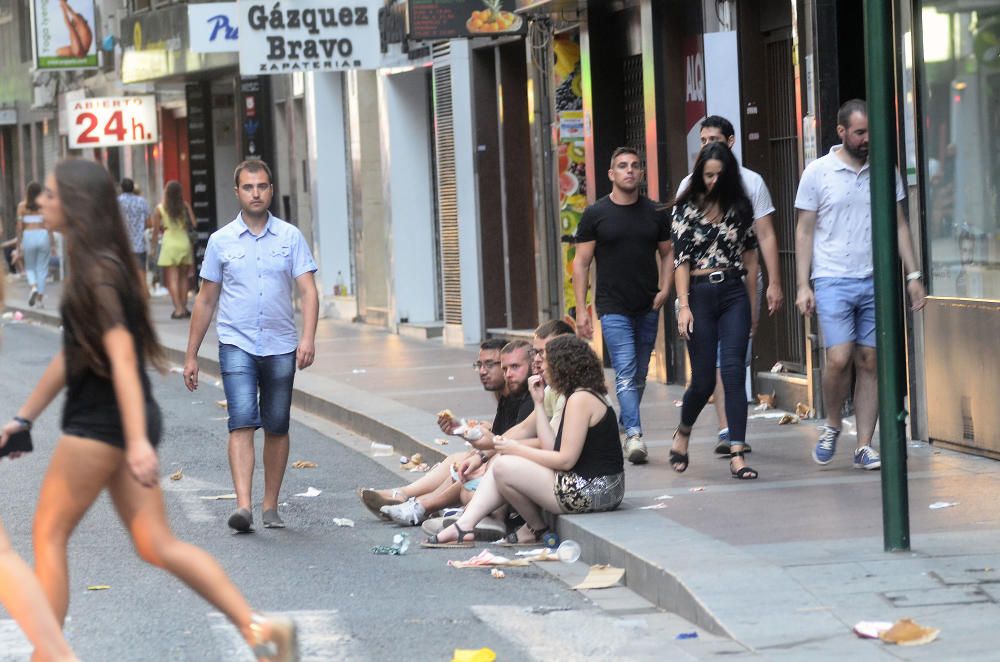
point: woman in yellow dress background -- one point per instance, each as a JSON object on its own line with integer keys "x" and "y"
{"x": 174, "y": 219}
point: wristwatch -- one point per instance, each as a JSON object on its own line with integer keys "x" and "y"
{"x": 23, "y": 421}
{"x": 914, "y": 275}
{"x": 484, "y": 457}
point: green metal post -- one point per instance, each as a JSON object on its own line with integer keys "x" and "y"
{"x": 888, "y": 284}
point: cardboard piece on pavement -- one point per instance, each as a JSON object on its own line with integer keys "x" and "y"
{"x": 601, "y": 576}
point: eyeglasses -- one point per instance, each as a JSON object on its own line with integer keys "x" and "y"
{"x": 489, "y": 365}
{"x": 536, "y": 352}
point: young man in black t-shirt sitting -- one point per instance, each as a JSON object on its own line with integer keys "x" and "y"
{"x": 625, "y": 232}
{"x": 504, "y": 369}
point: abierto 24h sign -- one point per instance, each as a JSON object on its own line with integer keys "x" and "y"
{"x": 308, "y": 35}
{"x": 112, "y": 121}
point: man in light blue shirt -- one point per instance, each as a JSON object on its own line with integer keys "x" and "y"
{"x": 247, "y": 272}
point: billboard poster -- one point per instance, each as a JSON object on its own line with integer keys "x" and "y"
{"x": 308, "y": 35}
{"x": 571, "y": 155}
{"x": 64, "y": 34}
{"x": 446, "y": 19}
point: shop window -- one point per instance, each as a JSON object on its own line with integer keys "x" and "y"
{"x": 140, "y": 5}
{"x": 961, "y": 149}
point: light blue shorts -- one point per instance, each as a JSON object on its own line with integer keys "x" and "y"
{"x": 846, "y": 310}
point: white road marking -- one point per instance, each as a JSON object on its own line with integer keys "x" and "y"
{"x": 186, "y": 492}
{"x": 323, "y": 637}
{"x": 14, "y": 646}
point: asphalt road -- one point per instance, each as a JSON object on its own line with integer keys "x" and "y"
{"x": 350, "y": 603}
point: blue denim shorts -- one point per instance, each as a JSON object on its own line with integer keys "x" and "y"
{"x": 258, "y": 389}
{"x": 846, "y": 310}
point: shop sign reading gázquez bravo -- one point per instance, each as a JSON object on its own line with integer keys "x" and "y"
{"x": 308, "y": 35}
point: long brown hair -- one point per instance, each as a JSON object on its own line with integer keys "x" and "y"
{"x": 31, "y": 193}
{"x": 173, "y": 201}
{"x": 99, "y": 253}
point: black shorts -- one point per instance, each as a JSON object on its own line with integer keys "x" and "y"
{"x": 104, "y": 424}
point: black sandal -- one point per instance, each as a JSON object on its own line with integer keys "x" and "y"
{"x": 679, "y": 461}
{"x": 511, "y": 538}
{"x": 434, "y": 543}
{"x": 743, "y": 473}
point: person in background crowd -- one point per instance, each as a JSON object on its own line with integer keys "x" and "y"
{"x": 174, "y": 219}
{"x": 833, "y": 253}
{"x": 625, "y": 232}
{"x": 714, "y": 247}
{"x": 35, "y": 244}
{"x": 716, "y": 128}
{"x": 135, "y": 211}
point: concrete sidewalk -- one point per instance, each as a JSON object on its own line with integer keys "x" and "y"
{"x": 784, "y": 565}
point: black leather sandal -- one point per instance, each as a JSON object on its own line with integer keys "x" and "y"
{"x": 743, "y": 473}
{"x": 434, "y": 543}
{"x": 511, "y": 539}
{"x": 679, "y": 462}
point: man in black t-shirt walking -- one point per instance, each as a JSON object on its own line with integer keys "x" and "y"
{"x": 624, "y": 232}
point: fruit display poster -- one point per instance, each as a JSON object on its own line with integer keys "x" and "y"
{"x": 446, "y": 19}
{"x": 569, "y": 146}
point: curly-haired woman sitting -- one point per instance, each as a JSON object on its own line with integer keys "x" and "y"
{"x": 579, "y": 469}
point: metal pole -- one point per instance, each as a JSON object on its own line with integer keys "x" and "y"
{"x": 888, "y": 285}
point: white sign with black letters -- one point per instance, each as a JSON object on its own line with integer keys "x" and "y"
{"x": 308, "y": 35}
{"x": 213, "y": 27}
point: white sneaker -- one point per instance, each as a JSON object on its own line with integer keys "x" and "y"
{"x": 408, "y": 513}
{"x": 635, "y": 449}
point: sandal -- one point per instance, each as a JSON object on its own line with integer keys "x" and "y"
{"x": 511, "y": 540}
{"x": 679, "y": 461}
{"x": 744, "y": 472}
{"x": 374, "y": 501}
{"x": 434, "y": 543}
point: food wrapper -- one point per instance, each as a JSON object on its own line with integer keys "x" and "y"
{"x": 788, "y": 419}
{"x": 907, "y": 633}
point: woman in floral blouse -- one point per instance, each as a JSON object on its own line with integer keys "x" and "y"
{"x": 714, "y": 248}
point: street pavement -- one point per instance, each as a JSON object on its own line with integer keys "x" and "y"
{"x": 783, "y": 566}
{"x": 349, "y": 603}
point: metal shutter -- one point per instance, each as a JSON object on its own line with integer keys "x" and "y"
{"x": 784, "y": 157}
{"x": 446, "y": 187}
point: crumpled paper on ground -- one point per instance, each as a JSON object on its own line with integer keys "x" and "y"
{"x": 788, "y": 419}
{"x": 802, "y": 410}
{"x": 304, "y": 464}
{"x": 487, "y": 559}
{"x": 311, "y": 492}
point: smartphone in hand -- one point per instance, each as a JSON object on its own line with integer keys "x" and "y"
{"x": 19, "y": 442}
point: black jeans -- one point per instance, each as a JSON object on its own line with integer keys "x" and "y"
{"x": 721, "y": 329}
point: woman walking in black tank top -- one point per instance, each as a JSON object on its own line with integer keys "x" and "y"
{"x": 577, "y": 469}
{"x": 111, "y": 423}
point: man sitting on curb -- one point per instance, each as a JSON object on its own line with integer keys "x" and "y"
{"x": 477, "y": 464}
{"x": 503, "y": 368}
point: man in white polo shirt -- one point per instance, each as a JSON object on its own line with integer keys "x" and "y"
{"x": 716, "y": 128}
{"x": 834, "y": 238}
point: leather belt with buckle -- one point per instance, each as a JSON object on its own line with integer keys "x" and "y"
{"x": 717, "y": 277}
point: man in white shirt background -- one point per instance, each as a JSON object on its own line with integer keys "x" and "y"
{"x": 834, "y": 239}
